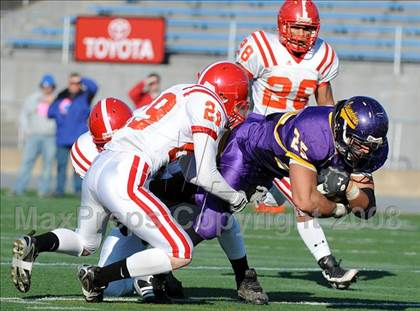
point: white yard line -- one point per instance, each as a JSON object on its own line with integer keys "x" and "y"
{"x": 59, "y": 308}
{"x": 204, "y": 267}
{"x": 128, "y": 299}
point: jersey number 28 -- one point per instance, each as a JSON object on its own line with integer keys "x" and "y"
{"x": 300, "y": 99}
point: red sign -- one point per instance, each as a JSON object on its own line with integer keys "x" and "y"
{"x": 120, "y": 39}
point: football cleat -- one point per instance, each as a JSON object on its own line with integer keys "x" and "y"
{"x": 86, "y": 276}
{"x": 250, "y": 289}
{"x": 338, "y": 277}
{"x": 160, "y": 289}
{"x": 24, "y": 255}
{"x": 174, "y": 286}
{"x": 144, "y": 289}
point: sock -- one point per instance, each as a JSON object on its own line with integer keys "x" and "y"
{"x": 148, "y": 262}
{"x": 232, "y": 241}
{"x": 70, "y": 242}
{"x": 194, "y": 236}
{"x": 239, "y": 266}
{"x": 47, "y": 242}
{"x": 113, "y": 272}
{"x": 312, "y": 234}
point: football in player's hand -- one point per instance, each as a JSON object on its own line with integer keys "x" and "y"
{"x": 332, "y": 182}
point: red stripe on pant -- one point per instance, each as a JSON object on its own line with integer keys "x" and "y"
{"x": 167, "y": 217}
{"x": 130, "y": 190}
{"x": 284, "y": 187}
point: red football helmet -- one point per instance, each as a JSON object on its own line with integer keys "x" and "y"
{"x": 108, "y": 115}
{"x": 231, "y": 83}
{"x": 298, "y": 13}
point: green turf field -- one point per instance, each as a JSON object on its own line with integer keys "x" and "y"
{"x": 387, "y": 250}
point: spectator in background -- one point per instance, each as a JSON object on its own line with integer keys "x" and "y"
{"x": 71, "y": 110}
{"x": 144, "y": 92}
{"x": 38, "y": 135}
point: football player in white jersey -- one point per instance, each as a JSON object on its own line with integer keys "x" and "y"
{"x": 285, "y": 69}
{"x": 185, "y": 119}
{"x": 106, "y": 117}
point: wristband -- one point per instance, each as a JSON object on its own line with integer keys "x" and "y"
{"x": 353, "y": 193}
{"x": 340, "y": 210}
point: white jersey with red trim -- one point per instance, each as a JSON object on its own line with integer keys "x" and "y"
{"x": 82, "y": 154}
{"x": 282, "y": 82}
{"x": 163, "y": 130}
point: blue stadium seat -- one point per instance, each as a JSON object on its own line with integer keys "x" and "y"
{"x": 188, "y": 49}
{"x": 36, "y": 43}
{"x": 352, "y": 39}
{"x": 177, "y": 35}
{"x": 51, "y": 31}
{"x": 387, "y": 5}
{"x": 341, "y": 28}
{"x": 229, "y": 12}
{"x": 376, "y": 55}
{"x": 222, "y": 50}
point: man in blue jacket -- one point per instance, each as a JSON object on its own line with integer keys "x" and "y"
{"x": 71, "y": 110}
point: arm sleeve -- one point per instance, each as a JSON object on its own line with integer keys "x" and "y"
{"x": 330, "y": 70}
{"x": 78, "y": 167}
{"x": 207, "y": 175}
{"x": 24, "y": 116}
{"x": 249, "y": 58}
{"x": 53, "y": 109}
{"x": 91, "y": 87}
{"x": 136, "y": 92}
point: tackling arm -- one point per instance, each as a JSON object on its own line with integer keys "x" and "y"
{"x": 206, "y": 174}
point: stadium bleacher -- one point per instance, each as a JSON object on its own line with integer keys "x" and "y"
{"x": 361, "y": 30}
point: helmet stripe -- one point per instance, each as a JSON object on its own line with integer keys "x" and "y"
{"x": 304, "y": 11}
{"x": 105, "y": 117}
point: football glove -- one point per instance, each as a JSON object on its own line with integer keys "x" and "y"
{"x": 259, "y": 195}
{"x": 240, "y": 203}
{"x": 332, "y": 182}
{"x": 340, "y": 210}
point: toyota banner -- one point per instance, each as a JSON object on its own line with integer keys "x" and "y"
{"x": 120, "y": 39}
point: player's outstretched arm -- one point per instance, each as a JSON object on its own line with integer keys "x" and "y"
{"x": 207, "y": 175}
{"x": 307, "y": 198}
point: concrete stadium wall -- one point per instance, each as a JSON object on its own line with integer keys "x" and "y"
{"x": 22, "y": 69}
